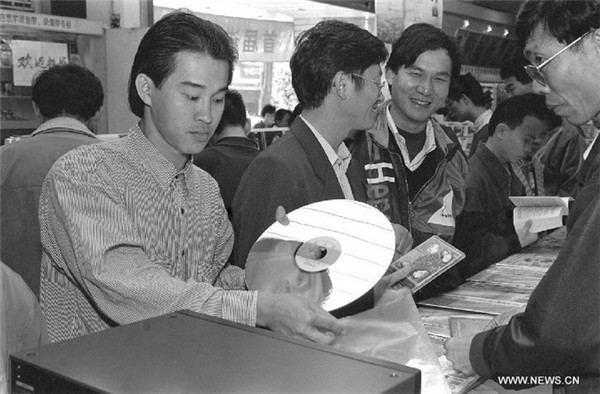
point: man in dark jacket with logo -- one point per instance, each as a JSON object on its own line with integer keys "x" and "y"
{"x": 416, "y": 175}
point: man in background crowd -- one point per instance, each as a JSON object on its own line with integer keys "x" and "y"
{"x": 282, "y": 117}
{"x": 484, "y": 229}
{"x": 515, "y": 78}
{"x": 68, "y": 100}
{"x": 131, "y": 229}
{"x": 467, "y": 101}
{"x": 267, "y": 113}
{"x": 558, "y": 334}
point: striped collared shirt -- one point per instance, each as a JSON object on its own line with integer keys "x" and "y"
{"x": 128, "y": 237}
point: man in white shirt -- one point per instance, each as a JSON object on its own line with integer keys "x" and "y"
{"x": 336, "y": 74}
{"x": 467, "y": 101}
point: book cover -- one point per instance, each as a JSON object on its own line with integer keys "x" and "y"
{"x": 426, "y": 262}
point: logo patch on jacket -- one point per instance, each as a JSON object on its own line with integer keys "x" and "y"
{"x": 444, "y": 216}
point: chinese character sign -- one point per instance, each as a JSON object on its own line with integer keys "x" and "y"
{"x": 30, "y": 57}
{"x": 258, "y": 40}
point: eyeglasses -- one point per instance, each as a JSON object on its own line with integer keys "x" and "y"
{"x": 379, "y": 85}
{"x": 535, "y": 71}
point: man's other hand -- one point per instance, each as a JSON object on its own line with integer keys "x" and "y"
{"x": 457, "y": 352}
{"x": 526, "y": 237}
{"x": 297, "y": 317}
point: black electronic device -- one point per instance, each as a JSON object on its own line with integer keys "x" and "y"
{"x": 191, "y": 352}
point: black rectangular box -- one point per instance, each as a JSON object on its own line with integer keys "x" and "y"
{"x": 194, "y": 353}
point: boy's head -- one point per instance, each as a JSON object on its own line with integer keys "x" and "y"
{"x": 516, "y": 126}
{"x": 464, "y": 95}
{"x": 268, "y": 114}
{"x": 282, "y": 117}
{"x": 515, "y": 77}
{"x": 67, "y": 90}
{"x": 234, "y": 112}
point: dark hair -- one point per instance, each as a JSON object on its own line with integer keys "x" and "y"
{"x": 327, "y": 48}
{"x": 419, "y": 38}
{"x": 297, "y": 111}
{"x": 234, "y": 112}
{"x": 177, "y": 32}
{"x": 69, "y": 89}
{"x": 513, "y": 111}
{"x": 267, "y": 109}
{"x": 566, "y": 20}
{"x": 280, "y": 114}
{"x": 515, "y": 67}
{"x": 467, "y": 84}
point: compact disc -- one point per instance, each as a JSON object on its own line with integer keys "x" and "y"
{"x": 331, "y": 252}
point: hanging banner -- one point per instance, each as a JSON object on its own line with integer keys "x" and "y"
{"x": 37, "y": 21}
{"x": 30, "y": 57}
{"x": 393, "y": 16}
{"x": 256, "y": 40}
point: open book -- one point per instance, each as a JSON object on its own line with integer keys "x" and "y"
{"x": 545, "y": 212}
{"x": 426, "y": 262}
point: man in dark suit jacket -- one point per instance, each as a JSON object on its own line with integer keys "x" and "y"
{"x": 336, "y": 74}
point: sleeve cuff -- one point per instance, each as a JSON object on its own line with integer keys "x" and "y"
{"x": 476, "y": 356}
{"x": 514, "y": 245}
{"x": 240, "y": 306}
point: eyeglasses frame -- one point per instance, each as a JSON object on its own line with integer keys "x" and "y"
{"x": 535, "y": 72}
{"x": 380, "y": 85}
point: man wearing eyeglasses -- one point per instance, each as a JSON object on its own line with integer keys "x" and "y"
{"x": 558, "y": 335}
{"x": 336, "y": 74}
{"x": 415, "y": 172}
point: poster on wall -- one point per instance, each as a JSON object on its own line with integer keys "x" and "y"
{"x": 31, "y": 57}
{"x": 393, "y": 16}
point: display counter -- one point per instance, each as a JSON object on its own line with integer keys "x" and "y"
{"x": 502, "y": 288}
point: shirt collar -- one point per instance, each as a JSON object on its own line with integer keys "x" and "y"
{"x": 342, "y": 152}
{"x": 428, "y": 147}
{"x": 587, "y": 151}
{"x": 482, "y": 119}
{"x": 63, "y": 122}
{"x": 152, "y": 159}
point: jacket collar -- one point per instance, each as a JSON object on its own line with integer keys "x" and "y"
{"x": 590, "y": 169}
{"x": 380, "y": 131}
{"x": 63, "y": 123}
{"x": 322, "y": 167}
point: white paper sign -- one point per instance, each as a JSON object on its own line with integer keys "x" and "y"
{"x": 30, "y": 57}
